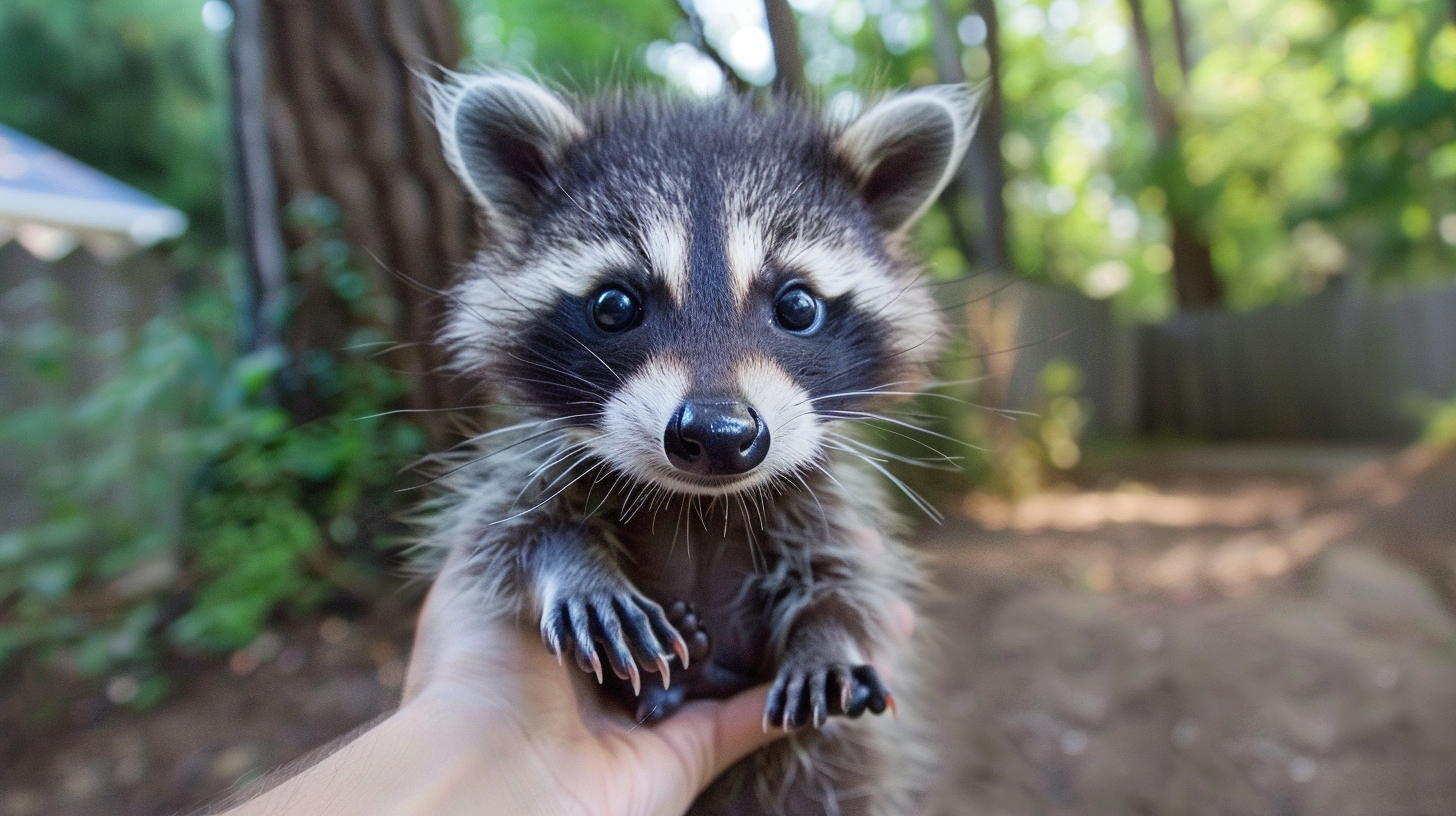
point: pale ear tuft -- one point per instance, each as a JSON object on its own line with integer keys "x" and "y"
{"x": 907, "y": 148}
{"x": 503, "y": 135}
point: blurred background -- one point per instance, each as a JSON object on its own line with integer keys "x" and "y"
{"x": 1199, "y": 541}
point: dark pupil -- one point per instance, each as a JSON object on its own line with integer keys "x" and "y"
{"x": 797, "y": 310}
{"x": 614, "y": 310}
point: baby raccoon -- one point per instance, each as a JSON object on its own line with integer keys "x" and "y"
{"x": 688, "y": 306}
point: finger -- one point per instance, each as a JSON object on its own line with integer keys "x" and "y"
{"x": 709, "y": 736}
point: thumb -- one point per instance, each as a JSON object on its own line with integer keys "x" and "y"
{"x": 710, "y": 736}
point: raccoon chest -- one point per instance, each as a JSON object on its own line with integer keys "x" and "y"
{"x": 713, "y": 571}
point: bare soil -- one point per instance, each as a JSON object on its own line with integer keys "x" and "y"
{"x": 1220, "y": 631}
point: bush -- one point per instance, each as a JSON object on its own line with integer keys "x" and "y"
{"x": 177, "y": 505}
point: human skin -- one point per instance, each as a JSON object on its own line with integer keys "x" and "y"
{"x": 490, "y": 722}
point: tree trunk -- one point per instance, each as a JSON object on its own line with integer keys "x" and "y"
{"x": 1195, "y": 281}
{"x": 255, "y": 215}
{"x": 1180, "y": 38}
{"x": 783, "y": 31}
{"x": 983, "y": 171}
{"x": 347, "y": 120}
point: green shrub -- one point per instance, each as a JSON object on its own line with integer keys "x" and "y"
{"x": 177, "y": 505}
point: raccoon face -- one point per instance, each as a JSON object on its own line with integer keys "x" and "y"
{"x": 694, "y": 291}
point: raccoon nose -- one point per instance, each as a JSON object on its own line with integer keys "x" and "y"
{"x": 716, "y": 438}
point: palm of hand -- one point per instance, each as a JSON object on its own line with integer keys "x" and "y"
{"x": 566, "y": 751}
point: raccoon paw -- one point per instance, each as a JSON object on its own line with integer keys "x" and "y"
{"x": 655, "y": 704}
{"x": 801, "y": 696}
{"x": 630, "y": 629}
{"x": 685, "y": 620}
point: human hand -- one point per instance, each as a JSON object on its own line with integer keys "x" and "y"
{"x": 491, "y": 722}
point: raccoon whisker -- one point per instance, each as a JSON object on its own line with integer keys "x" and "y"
{"x": 916, "y": 498}
{"x": 577, "y": 450}
{"x": 1010, "y": 349}
{"x": 823, "y": 516}
{"x": 920, "y": 442}
{"x": 561, "y": 454}
{"x": 645, "y": 491}
{"x": 483, "y": 457}
{"x": 941, "y": 462}
{"x": 536, "y": 423}
{"x": 677, "y": 527}
{"x": 569, "y": 197}
{"x": 913, "y": 283}
{"x": 830, "y": 475}
{"x": 870, "y": 391}
{"x": 596, "y": 391}
{"x": 421, "y": 286}
{"x": 601, "y": 403}
{"x": 421, "y": 411}
{"x": 593, "y": 486}
{"x": 847, "y": 449}
{"x": 478, "y": 459}
{"x": 549, "y": 498}
{"x": 609, "y": 369}
{"x": 984, "y": 296}
{"x": 866, "y": 415}
{"x": 753, "y": 547}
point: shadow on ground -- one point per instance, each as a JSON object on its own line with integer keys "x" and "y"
{"x": 1214, "y": 631}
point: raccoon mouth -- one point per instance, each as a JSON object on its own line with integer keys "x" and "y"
{"x": 698, "y": 484}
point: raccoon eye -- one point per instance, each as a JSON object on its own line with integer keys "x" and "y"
{"x": 614, "y": 310}
{"x": 797, "y": 310}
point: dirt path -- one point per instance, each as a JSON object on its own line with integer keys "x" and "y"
{"x": 1212, "y": 638}
{"x": 1234, "y": 631}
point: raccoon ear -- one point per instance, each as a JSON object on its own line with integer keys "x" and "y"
{"x": 503, "y": 135}
{"x": 906, "y": 149}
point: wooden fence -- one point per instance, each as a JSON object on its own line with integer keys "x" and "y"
{"x": 1347, "y": 365}
{"x": 64, "y": 306}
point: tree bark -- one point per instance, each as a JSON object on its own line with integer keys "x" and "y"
{"x": 983, "y": 171}
{"x": 1180, "y": 38}
{"x": 783, "y": 32}
{"x": 1195, "y": 281}
{"x": 348, "y": 121}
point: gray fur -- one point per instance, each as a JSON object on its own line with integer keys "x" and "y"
{"x": 702, "y": 208}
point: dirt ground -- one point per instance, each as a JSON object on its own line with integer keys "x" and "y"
{"x": 1251, "y": 630}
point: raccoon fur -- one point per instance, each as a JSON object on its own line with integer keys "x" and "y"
{"x": 687, "y": 307}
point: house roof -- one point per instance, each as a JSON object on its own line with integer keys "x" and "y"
{"x": 39, "y": 184}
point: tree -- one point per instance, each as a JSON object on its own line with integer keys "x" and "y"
{"x": 783, "y": 31}
{"x": 342, "y": 99}
{"x": 1195, "y": 281}
{"x": 983, "y": 171}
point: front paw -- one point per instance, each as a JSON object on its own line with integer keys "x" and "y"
{"x": 628, "y": 627}
{"x": 804, "y": 694}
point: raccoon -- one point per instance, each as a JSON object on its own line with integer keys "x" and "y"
{"x": 687, "y": 307}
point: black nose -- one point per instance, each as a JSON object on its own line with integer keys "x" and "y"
{"x": 716, "y": 438}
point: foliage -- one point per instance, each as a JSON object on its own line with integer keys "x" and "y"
{"x": 1440, "y": 426}
{"x": 179, "y": 506}
{"x": 133, "y": 87}
{"x": 1316, "y": 140}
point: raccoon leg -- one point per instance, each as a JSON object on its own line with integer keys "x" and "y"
{"x": 654, "y": 703}
{"x": 823, "y": 672}
{"x": 587, "y": 604}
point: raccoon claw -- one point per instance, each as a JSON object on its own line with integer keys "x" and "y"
{"x": 627, "y": 627}
{"x": 803, "y": 697}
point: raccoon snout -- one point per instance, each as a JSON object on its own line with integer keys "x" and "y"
{"x": 716, "y": 438}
